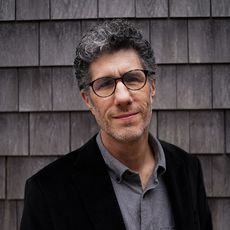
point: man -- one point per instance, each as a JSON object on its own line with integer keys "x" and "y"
{"x": 123, "y": 178}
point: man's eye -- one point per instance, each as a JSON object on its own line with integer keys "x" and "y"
{"x": 132, "y": 78}
{"x": 103, "y": 84}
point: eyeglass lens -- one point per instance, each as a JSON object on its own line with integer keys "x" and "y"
{"x": 133, "y": 80}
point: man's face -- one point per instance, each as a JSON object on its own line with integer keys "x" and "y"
{"x": 125, "y": 115}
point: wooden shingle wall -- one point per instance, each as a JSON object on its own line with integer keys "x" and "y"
{"x": 43, "y": 117}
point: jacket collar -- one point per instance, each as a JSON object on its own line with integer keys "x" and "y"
{"x": 95, "y": 187}
{"x": 177, "y": 183}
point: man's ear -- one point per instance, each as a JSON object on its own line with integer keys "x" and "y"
{"x": 153, "y": 87}
{"x": 86, "y": 98}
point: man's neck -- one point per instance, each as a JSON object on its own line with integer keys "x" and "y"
{"x": 136, "y": 155}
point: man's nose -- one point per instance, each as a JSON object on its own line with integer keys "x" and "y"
{"x": 122, "y": 94}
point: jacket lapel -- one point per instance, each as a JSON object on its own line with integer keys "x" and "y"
{"x": 177, "y": 182}
{"x": 95, "y": 187}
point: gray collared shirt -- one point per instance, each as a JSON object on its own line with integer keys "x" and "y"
{"x": 147, "y": 209}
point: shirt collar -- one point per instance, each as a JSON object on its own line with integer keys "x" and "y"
{"x": 117, "y": 169}
{"x": 159, "y": 155}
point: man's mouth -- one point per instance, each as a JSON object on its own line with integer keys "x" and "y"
{"x": 125, "y": 115}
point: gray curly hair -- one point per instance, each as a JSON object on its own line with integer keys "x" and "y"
{"x": 108, "y": 37}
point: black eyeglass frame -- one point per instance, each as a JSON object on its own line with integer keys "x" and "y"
{"x": 146, "y": 73}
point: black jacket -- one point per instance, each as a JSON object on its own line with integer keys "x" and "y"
{"x": 76, "y": 193}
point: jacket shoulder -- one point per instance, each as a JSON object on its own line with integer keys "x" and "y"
{"x": 176, "y": 153}
{"x": 62, "y": 167}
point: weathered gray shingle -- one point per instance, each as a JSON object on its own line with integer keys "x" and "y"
{"x": 165, "y": 97}
{"x": 206, "y": 164}
{"x": 8, "y": 215}
{"x": 173, "y": 127}
{"x": 21, "y": 168}
{"x": 58, "y": 41}
{"x": 221, "y": 86}
{"x": 50, "y": 129}
{"x": 8, "y": 90}
{"x": 19, "y": 44}
{"x": 151, "y": 8}
{"x": 86, "y": 25}
{"x": 194, "y": 86}
{"x": 189, "y": 8}
{"x": 118, "y": 8}
{"x": 209, "y": 40}
{"x": 73, "y": 9}
{"x": 207, "y": 132}
{"x": 220, "y": 8}
{"x": 66, "y": 95}
{"x": 153, "y": 124}
{"x": 221, "y": 179}
{"x": 14, "y": 134}
{"x": 227, "y": 127}
{"x": 2, "y": 177}
{"x": 220, "y": 213}
{"x": 169, "y": 40}
{"x": 143, "y": 25}
{"x": 32, "y": 9}
{"x": 35, "y": 89}
{"x": 20, "y": 205}
{"x": 83, "y": 126}
{"x": 7, "y": 10}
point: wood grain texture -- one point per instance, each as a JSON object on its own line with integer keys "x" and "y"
{"x": 21, "y": 168}
{"x": 227, "y": 131}
{"x": 73, "y": 9}
{"x": 221, "y": 179}
{"x": 220, "y": 8}
{"x": 58, "y": 41}
{"x": 220, "y": 213}
{"x": 2, "y": 178}
{"x": 221, "y": 86}
{"x": 116, "y": 8}
{"x": 207, "y": 132}
{"x": 153, "y": 124}
{"x": 32, "y": 9}
{"x": 86, "y": 25}
{"x": 8, "y": 215}
{"x": 19, "y": 44}
{"x": 189, "y": 8}
{"x": 7, "y": 10}
{"x": 206, "y": 164}
{"x": 209, "y": 40}
{"x": 49, "y": 133}
{"x": 143, "y": 26}
{"x": 165, "y": 97}
{"x": 14, "y": 134}
{"x": 35, "y": 89}
{"x": 151, "y": 8}
{"x": 66, "y": 95}
{"x": 20, "y": 205}
{"x": 169, "y": 40}
{"x": 173, "y": 127}
{"x": 194, "y": 87}
{"x": 83, "y": 127}
{"x": 8, "y": 90}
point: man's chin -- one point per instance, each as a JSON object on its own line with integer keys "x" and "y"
{"x": 127, "y": 134}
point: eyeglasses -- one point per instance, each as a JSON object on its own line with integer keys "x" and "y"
{"x": 133, "y": 80}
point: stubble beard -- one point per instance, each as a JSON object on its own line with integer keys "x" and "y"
{"x": 129, "y": 133}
